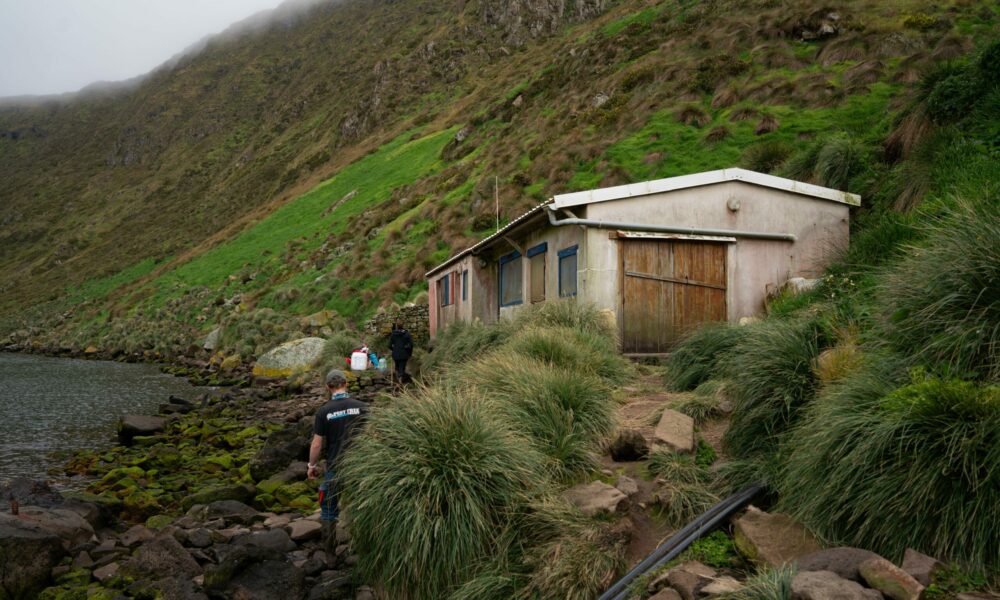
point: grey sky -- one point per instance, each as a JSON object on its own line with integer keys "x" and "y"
{"x": 54, "y": 46}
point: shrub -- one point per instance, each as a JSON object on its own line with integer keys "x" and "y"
{"x": 943, "y": 300}
{"x": 887, "y": 463}
{"x": 696, "y": 358}
{"x": 715, "y": 550}
{"x": 565, "y": 412}
{"x": 771, "y": 379}
{"x": 431, "y": 486}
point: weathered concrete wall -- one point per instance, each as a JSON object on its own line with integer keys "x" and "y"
{"x": 821, "y": 227}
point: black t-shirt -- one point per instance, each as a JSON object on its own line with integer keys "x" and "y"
{"x": 336, "y": 421}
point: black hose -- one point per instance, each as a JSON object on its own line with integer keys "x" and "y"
{"x": 679, "y": 542}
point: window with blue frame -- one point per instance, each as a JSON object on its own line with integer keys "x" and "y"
{"x": 444, "y": 290}
{"x": 511, "y": 279}
{"x": 465, "y": 285}
{"x": 567, "y": 272}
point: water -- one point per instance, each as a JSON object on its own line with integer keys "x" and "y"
{"x": 61, "y": 404}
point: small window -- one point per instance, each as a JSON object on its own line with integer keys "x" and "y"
{"x": 536, "y": 263}
{"x": 444, "y": 289}
{"x": 511, "y": 279}
{"x": 567, "y": 272}
{"x": 465, "y": 285}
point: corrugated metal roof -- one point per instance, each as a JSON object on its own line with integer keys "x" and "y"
{"x": 486, "y": 241}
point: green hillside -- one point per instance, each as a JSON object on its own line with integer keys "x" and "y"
{"x": 327, "y": 160}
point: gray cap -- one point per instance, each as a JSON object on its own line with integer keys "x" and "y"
{"x": 336, "y": 378}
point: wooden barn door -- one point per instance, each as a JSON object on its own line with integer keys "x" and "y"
{"x": 669, "y": 286}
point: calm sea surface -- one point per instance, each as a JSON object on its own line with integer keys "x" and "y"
{"x": 60, "y": 404}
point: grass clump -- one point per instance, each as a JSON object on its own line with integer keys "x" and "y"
{"x": 703, "y": 403}
{"x": 676, "y": 468}
{"x": 431, "y": 485}
{"x": 461, "y": 342}
{"x": 943, "y": 300}
{"x": 771, "y": 378}
{"x": 696, "y": 358}
{"x": 768, "y": 584}
{"x": 568, "y": 348}
{"x": 679, "y": 503}
{"x": 566, "y": 412}
{"x": 887, "y": 463}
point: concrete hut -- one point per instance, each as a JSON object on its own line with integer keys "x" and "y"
{"x": 663, "y": 256}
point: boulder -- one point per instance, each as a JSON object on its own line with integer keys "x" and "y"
{"x": 211, "y": 342}
{"x": 159, "y": 558}
{"x": 629, "y": 445}
{"x": 28, "y": 552}
{"x": 889, "y": 579}
{"x": 235, "y": 492}
{"x": 921, "y": 567}
{"x": 689, "y": 578}
{"x": 177, "y": 588}
{"x": 827, "y": 585}
{"x": 296, "y": 356}
{"x": 136, "y": 535}
{"x": 28, "y": 492}
{"x": 275, "y": 540}
{"x": 674, "y": 432}
{"x": 666, "y": 594}
{"x": 597, "y": 498}
{"x": 281, "y": 448}
{"x": 304, "y": 530}
{"x": 333, "y": 585}
{"x": 131, "y": 426}
{"x": 721, "y": 585}
{"x": 69, "y": 526}
{"x": 106, "y": 572}
{"x": 771, "y": 539}
{"x": 843, "y": 561}
{"x": 230, "y": 362}
{"x": 231, "y": 510}
{"x": 200, "y": 538}
{"x": 627, "y": 486}
{"x": 269, "y": 580}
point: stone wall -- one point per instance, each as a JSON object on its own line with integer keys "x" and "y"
{"x": 416, "y": 319}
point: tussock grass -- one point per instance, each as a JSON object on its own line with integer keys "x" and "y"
{"x": 942, "y": 302}
{"x": 767, "y": 584}
{"x": 886, "y": 463}
{"x": 679, "y": 503}
{"x": 566, "y": 412}
{"x": 461, "y": 342}
{"x": 570, "y": 348}
{"x": 431, "y": 485}
{"x": 676, "y": 468}
{"x": 771, "y": 379}
{"x": 696, "y": 358}
{"x": 704, "y": 402}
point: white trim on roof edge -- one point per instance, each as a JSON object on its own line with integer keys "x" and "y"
{"x": 700, "y": 179}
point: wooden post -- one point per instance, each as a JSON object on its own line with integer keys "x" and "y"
{"x": 14, "y": 508}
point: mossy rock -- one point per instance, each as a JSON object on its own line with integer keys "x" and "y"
{"x": 122, "y": 472}
{"x": 138, "y": 505}
{"x": 304, "y": 503}
{"x": 145, "y": 441}
{"x": 218, "y": 462}
{"x": 159, "y": 521}
{"x": 212, "y": 494}
{"x": 269, "y": 486}
{"x": 266, "y": 500}
{"x": 286, "y": 493}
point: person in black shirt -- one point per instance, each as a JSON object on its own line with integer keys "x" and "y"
{"x": 401, "y": 346}
{"x": 333, "y": 426}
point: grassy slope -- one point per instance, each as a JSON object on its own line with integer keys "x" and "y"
{"x": 690, "y": 86}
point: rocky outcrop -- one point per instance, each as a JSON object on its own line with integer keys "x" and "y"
{"x": 771, "y": 539}
{"x": 522, "y": 20}
{"x": 28, "y": 552}
{"x": 921, "y": 567}
{"x": 843, "y": 561}
{"x": 290, "y": 358}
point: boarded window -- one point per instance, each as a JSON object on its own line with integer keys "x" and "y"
{"x": 567, "y": 272}
{"x": 511, "y": 279}
{"x": 536, "y": 262}
{"x": 465, "y": 285}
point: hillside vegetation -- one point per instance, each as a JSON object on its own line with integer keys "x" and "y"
{"x": 326, "y": 159}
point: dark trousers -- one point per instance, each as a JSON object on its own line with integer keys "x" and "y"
{"x": 400, "y": 368}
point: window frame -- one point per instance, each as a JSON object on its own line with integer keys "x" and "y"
{"x": 465, "y": 285}
{"x": 532, "y": 252}
{"x": 564, "y": 254}
{"x": 444, "y": 291}
{"x": 505, "y": 259}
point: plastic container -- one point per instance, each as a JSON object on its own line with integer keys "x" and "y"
{"x": 359, "y": 361}
{"x": 382, "y": 365}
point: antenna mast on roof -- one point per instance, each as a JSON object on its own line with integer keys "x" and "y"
{"x": 496, "y": 197}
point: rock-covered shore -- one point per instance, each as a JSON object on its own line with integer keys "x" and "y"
{"x": 208, "y": 499}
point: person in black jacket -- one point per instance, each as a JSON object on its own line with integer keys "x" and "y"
{"x": 401, "y": 346}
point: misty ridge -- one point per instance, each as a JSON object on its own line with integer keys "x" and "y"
{"x": 285, "y": 16}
